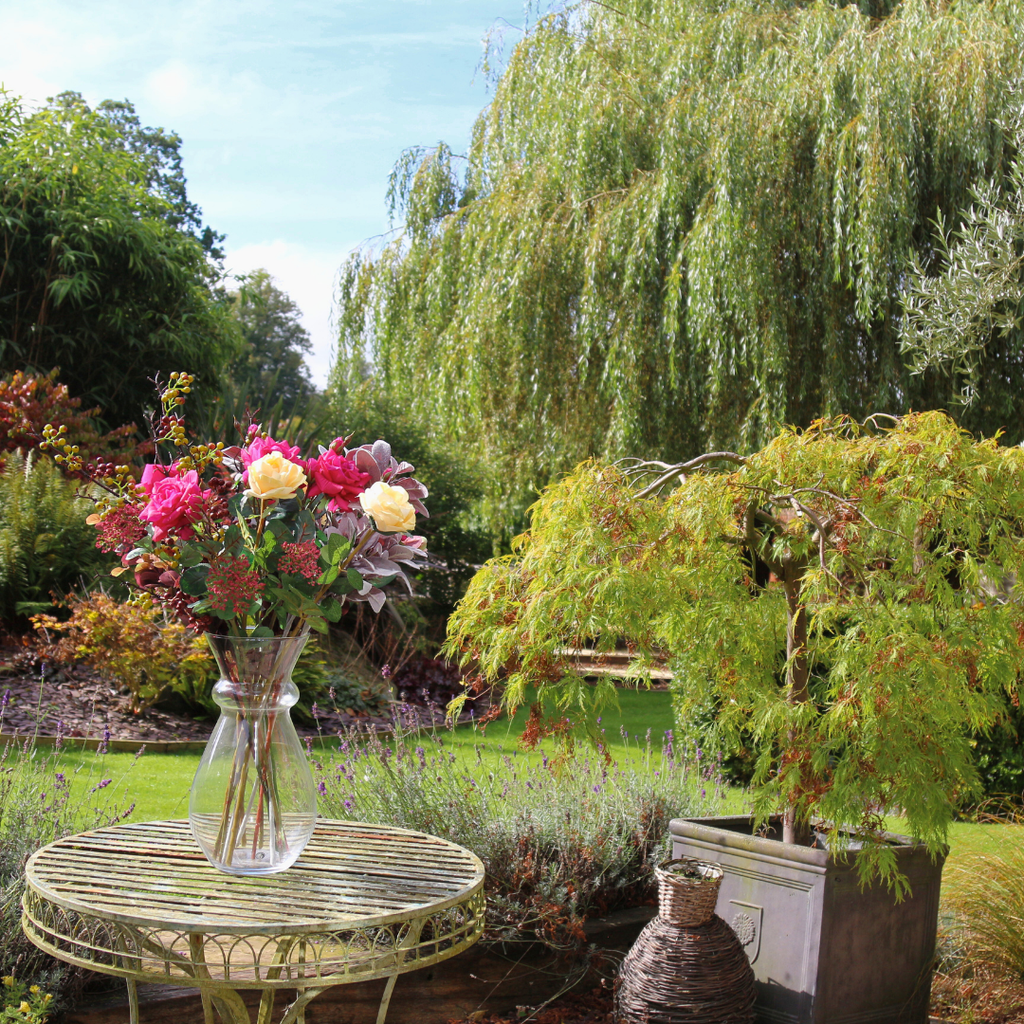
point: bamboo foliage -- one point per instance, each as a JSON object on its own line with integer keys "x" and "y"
{"x": 94, "y": 276}
{"x": 682, "y": 222}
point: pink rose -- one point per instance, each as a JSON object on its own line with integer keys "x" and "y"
{"x": 260, "y": 446}
{"x": 152, "y": 474}
{"x": 175, "y": 502}
{"x": 337, "y": 476}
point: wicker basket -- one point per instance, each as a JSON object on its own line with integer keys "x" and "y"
{"x": 676, "y": 974}
{"x": 686, "y": 966}
{"x": 683, "y": 898}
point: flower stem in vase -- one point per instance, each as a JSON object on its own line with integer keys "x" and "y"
{"x": 253, "y": 803}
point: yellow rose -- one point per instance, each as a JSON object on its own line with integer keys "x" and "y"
{"x": 274, "y": 476}
{"x": 389, "y": 507}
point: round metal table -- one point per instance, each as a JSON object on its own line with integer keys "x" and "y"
{"x": 363, "y": 901}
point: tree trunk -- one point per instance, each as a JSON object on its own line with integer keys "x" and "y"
{"x": 794, "y": 829}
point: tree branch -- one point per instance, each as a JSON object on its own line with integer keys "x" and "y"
{"x": 682, "y": 468}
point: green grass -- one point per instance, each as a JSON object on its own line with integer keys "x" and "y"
{"x": 158, "y": 784}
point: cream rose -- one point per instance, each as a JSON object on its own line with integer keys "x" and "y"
{"x": 274, "y": 476}
{"x": 389, "y": 506}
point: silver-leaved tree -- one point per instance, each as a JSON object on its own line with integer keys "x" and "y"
{"x": 845, "y": 596}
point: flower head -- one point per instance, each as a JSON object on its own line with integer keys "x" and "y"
{"x": 389, "y": 506}
{"x": 175, "y": 501}
{"x": 274, "y": 476}
{"x": 301, "y": 559}
{"x": 232, "y": 585}
{"x": 119, "y": 526}
{"x": 258, "y": 447}
{"x": 337, "y": 476}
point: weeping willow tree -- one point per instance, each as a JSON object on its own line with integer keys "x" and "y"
{"x": 683, "y": 222}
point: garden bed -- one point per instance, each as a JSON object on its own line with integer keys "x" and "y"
{"x": 76, "y": 703}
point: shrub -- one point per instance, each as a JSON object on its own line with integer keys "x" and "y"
{"x": 138, "y": 645}
{"x": 999, "y": 757}
{"x": 39, "y": 806}
{"x": 428, "y": 681}
{"x": 560, "y": 841}
{"x": 46, "y": 546}
{"x": 27, "y": 1004}
{"x": 134, "y": 643}
{"x": 349, "y": 692}
{"x": 28, "y": 403}
{"x": 456, "y": 535}
{"x": 310, "y": 677}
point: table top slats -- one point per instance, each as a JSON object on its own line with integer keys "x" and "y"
{"x": 153, "y": 872}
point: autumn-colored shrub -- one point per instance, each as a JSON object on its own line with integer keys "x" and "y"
{"x": 28, "y": 403}
{"x": 134, "y": 643}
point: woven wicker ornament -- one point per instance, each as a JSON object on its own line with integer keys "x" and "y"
{"x": 686, "y": 966}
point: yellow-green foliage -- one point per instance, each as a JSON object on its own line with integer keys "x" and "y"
{"x": 134, "y": 643}
{"x": 45, "y": 544}
{"x": 683, "y": 222}
{"x": 27, "y": 1004}
{"x": 897, "y": 546}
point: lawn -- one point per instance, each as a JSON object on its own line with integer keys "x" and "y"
{"x": 158, "y": 784}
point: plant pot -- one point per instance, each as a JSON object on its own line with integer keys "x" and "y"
{"x": 253, "y": 802}
{"x": 823, "y": 950}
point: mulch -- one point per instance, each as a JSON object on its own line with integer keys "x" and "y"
{"x": 78, "y": 703}
{"x": 593, "y": 1007}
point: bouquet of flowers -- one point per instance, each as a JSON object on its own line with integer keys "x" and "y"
{"x": 256, "y": 540}
{"x": 247, "y": 544}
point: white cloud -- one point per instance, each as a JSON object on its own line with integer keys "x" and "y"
{"x": 179, "y": 90}
{"x": 308, "y": 276}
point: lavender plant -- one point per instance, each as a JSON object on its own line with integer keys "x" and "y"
{"x": 560, "y": 842}
{"x": 38, "y": 805}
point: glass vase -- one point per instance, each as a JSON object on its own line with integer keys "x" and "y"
{"x": 253, "y": 803}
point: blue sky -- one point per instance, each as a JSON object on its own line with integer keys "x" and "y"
{"x": 291, "y": 114}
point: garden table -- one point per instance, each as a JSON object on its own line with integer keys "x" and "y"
{"x": 363, "y": 901}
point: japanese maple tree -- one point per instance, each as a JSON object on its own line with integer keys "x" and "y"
{"x": 845, "y": 596}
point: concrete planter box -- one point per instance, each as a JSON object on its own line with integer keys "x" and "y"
{"x": 823, "y": 950}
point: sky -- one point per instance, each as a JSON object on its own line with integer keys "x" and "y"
{"x": 291, "y": 114}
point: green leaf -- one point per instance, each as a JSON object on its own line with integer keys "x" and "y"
{"x": 328, "y": 576}
{"x": 193, "y": 580}
{"x": 338, "y": 546}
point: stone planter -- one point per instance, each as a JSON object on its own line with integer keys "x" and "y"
{"x": 824, "y": 950}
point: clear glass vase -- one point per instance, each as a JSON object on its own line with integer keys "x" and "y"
{"x": 253, "y": 803}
